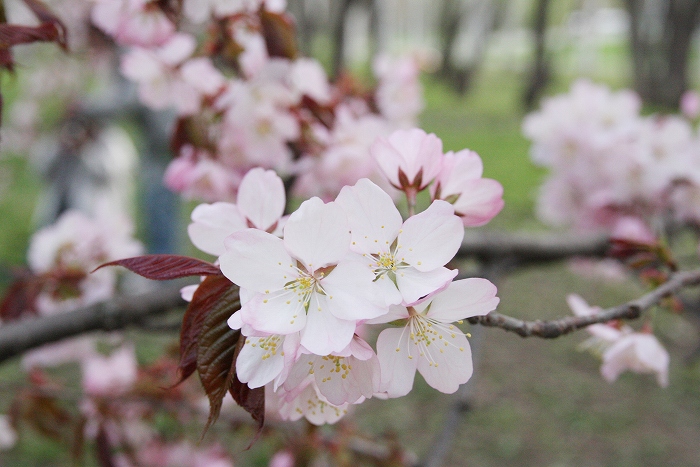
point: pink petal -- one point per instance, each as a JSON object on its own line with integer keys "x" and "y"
{"x": 260, "y": 363}
{"x": 414, "y": 284}
{"x": 431, "y": 239}
{"x": 351, "y": 292}
{"x": 257, "y": 260}
{"x": 479, "y": 201}
{"x": 398, "y": 366}
{"x": 324, "y": 333}
{"x": 463, "y": 299}
{"x": 317, "y": 234}
{"x": 261, "y": 198}
{"x": 374, "y": 220}
{"x": 274, "y": 313}
{"x": 212, "y": 223}
{"x": 448, "y": 363}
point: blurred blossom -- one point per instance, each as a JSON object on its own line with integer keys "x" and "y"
{"x": 110, "y": 375}
{"x": 8, "y": 435}
{"x": 690, "y": 104}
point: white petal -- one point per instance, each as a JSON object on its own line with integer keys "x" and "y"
{"x": 431, "y": 239}
{"x": 260, "y": 360}
{"x": 351, "y": 292}
{"x": 261, "y": 198}
{"x": 274, "y": 313}
{"x": 414, "y": 284}
{"x": 447, "y": 362}
{"x": 324, "y": 333}
{"x": 317, "y": 234}
{"x": 212, "y": 223}
{"x": 373, "y": 218}
{"x": 398, "y": 367}
{"x": 462, "y": 299}
{"x": 257, "y": 260}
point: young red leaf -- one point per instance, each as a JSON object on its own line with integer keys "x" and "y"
{"x": 209, "y": 294}
{"x": 216, "y": 346}
{"x": 165, "y": 267}
{"x": 279, "y": 33}
{"x": 20, "y": 298}
{"x": 252, "y": 400}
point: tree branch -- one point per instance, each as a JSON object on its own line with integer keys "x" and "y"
{"x": 523, "y": 248}
{"x": 559, "y": 327}
{"x": 117, "y": 313}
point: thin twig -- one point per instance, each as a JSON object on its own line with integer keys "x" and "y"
{"x": 559, "y": 327}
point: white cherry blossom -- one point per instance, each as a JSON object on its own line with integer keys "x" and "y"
{"x": 308, "y": 282}
{"x": 429, "y": 341}
{"x": 406, "y": 258}
{"x": 260, "y": 205}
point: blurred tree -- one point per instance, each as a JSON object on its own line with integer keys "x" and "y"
{"x": 660, "y": 37}
{"x": 540, "y": 72}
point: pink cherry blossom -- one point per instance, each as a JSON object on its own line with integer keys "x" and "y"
{"x": 345, "y": 157}
{"x": 197, "y": 175}
{"x": 261, "y": 201}
{"x": 476, "y": 200}
{"x": 690, "y": 104}
{"x": 406, "y": 258}
{"x": 307, "y": 402}
{"x": 264, "y": 359}
{"x": 73, "y": 246}
{"x": 110, "y": 375}
{"x": 429, "y": 342}
{"x": 347, "y": 376}
{"x": 133, "y": 22}
{"x": 410, "y": 159}
{"x": 308, "y": 282}
{"x": 638, "y": 352}
{"x": 399, "y": 93}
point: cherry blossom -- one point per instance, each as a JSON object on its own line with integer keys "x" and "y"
{"x": 110, "y": 375}
{"x": 306, "y": 402}
{"x": 67, "y": 251}
{"x": 197, "y": 175}
{"x": 429, "y": 341}
{"x": 399, "y": 94}
{"x": 476, "y": 200}
{"x": 621, "y": 348}
{"x": 266, "y": 358}
{"x": 410, "y": 159}
{"x": 261, "y": 201}
{"x": 639, "y": 352}
{"x": 133, "y": 22}
{"x": 347, "y": 376}
{"x": 406, "y": 258}
{"x": 307, "y": 282}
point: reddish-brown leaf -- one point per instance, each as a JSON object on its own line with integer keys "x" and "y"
{"x": 208, "y": 295}
{"x": 47, "y": 17}
{"x": 20, "y": 298}
{"x": 252, "y": 400}
{"x": 216, "y": 346}
{"x": 165, "y": 267}
{"x": 280, "y": 35}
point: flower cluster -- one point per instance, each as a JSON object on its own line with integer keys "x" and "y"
{"x": 313, "y": 283}
{"x": 609, "y": 163}
{"x": 258, "y": 107}
{"x": 61, "y": 257}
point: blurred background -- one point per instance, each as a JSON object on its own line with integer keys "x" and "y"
{"x": 486, "y": 64}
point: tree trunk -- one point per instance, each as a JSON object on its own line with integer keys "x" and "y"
{"x": 660, "y": 37}
{"x": 540, "y": 72}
